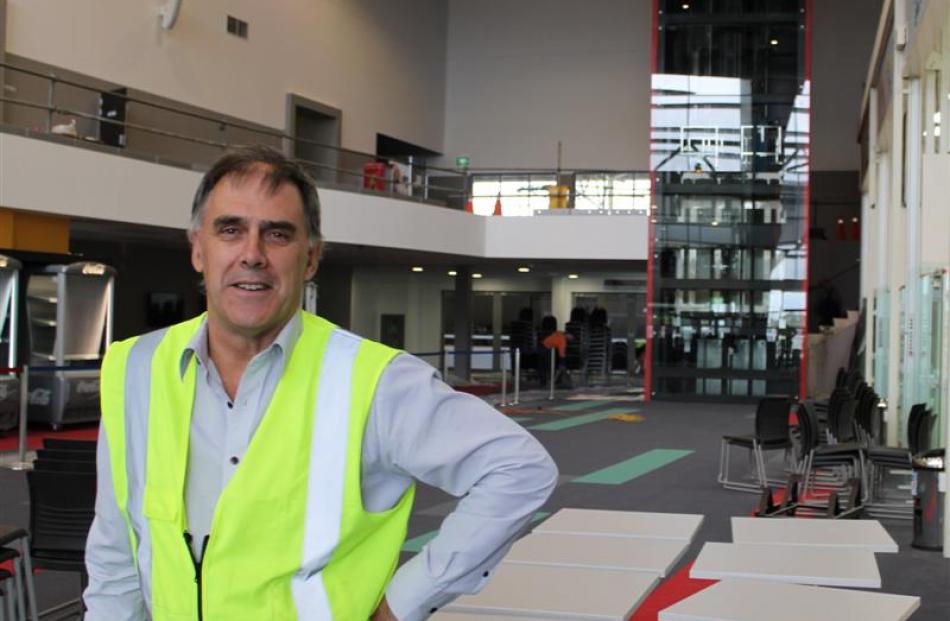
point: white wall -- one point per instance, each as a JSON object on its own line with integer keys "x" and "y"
{"x": 382, "y": 63}
{"x": 390, "y": 291}
{"x": 523, "y": 75}
{"x": 843, "y": 38}
{"x": 44, "y": 176}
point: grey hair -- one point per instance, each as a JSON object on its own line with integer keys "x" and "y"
{"x": 276, "y": 168}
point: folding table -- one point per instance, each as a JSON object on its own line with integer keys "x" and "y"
{"x": 748, "y": 600}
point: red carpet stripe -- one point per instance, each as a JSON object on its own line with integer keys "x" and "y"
{"x": 677, "y": 587}
{"x": 34, "y": 437}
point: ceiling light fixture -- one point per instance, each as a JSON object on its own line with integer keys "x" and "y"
{"x": 774, "y": 41}
{"x": 573, "y": 276}
{"x": 476, "y": 275}
{"x": 417, "y": 268}
{"x": 453, "y": 273}
{"x": 524, "y": 270}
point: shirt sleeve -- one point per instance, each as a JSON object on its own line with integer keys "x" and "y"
{"x": 114, "y": 592}
{"x": 421, "y": 428}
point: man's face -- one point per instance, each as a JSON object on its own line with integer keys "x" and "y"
{"x": 253, "y": 249}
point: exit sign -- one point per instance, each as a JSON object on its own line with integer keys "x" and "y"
{"x": 462, "y": 161}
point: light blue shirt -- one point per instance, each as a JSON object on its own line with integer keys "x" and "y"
{"x": 419, "y": 428}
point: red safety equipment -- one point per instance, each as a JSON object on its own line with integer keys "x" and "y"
{"x": 468, "y": 206}
{"x": 497, "y": 211}
{"x": 839, "y": 230}
{"x": 374, "y": 176}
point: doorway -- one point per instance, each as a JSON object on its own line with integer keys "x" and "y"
{"x": 316, "y": 129}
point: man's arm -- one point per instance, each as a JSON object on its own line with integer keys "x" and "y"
{"x": 423, "y": 429}
{"x": 114, "y": 592}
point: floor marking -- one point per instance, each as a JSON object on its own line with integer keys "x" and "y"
{"x": 634, "y": 467}
{"x": 627, "y": 418}
{"x": 417, "y": 543}
{"x": 577, "y": 421}
{"x": 583, "y": 397}
{"x": 520, "y": 419}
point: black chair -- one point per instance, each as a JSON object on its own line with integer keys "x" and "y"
{"x": 11, "y": 595}
{"x": 844, "y": 460}
{"x": 64, "y": 455}
{"x": 884, "y": 460}
{"x": 57, "y": 465}
{"x": 771, "y": 433}
{"x": 17, "y": 541}
{"x": 63, "y": 444}
{"x": 62, "y": 507}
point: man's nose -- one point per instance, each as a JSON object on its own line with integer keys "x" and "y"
{"x": 252, "y": 253}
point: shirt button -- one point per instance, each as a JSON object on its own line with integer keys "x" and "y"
{"x": 235, "y": 460}
{"x": 230, "y": 405}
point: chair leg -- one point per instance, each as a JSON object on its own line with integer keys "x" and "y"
{"x": 30, "y": 601}
{"x": 18, "y": 582}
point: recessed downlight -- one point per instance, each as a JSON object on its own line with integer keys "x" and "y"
{"x": 524, "y": 270}
{"x": 453, "y": 273}
{"x": 417, "y": 268}
{"x": 476, "y": 275}
{"x": 573, "y": 276}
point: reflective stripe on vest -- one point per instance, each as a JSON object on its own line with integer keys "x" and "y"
{"x": 289, "y": 537}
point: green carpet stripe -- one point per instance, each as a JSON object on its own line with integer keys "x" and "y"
{"x": 634, "y": 467}
{"x": 520, "y": 419}
{"x": 417, "y": 543}
{"x": 578, "y": 405}
{"x": 577, "y": 421}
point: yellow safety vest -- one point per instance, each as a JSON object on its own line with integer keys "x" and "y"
{"x": 290, "y": 538}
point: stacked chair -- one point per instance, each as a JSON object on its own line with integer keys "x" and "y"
{"x": 897, "y": 502}
{"x": 62, "y": 489}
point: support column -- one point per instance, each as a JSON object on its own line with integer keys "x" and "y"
{"x": 463, "y": 322}
{"x": 911, "y": 328}
{"x": 497, "y": 319}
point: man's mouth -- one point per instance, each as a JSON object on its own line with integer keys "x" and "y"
{"x": 251, "y": 286}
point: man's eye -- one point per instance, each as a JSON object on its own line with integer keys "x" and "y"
{"x": 279, "y": 236}
{"x": 228, "y": 231}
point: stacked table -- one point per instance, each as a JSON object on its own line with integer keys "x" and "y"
{"x": 764, "y": 571}
{"x": 581, "y": 564}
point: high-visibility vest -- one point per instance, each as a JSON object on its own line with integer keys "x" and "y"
{"x": 290, "y": 538}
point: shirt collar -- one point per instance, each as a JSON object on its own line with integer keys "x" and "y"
{"x": 198, "y": 344}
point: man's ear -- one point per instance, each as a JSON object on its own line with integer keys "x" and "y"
{"x": 313, "y": 260}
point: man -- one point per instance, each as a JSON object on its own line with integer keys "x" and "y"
{"x": 258, "y": 463}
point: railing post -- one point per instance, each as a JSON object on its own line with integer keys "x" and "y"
{"x": 445, "y": 364}
{"x": 517, "y": 376}
{"x": 551, "y": 378}
{"x": 50, "y": 100}
{"x": 24, "y": 403}
{"x": 504, "y": 378}
{"x": 425, "y": 183}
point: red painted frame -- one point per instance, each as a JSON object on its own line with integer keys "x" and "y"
{"x": 803, "y": 368}
{"x": 651, "y": 215}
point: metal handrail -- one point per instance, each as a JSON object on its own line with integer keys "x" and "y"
{"x": 195, "y": 115}
{"x": 207, "y": 142}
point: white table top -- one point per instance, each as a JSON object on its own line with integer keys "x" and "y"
{"x": 868, "y": 534}
{"x": 845, "y": 567}
{"x": 559, "y": 593}
{"x": 641, "y": 524}
{"x": 748, "y": 600}
{"x": 623, "y": 553}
